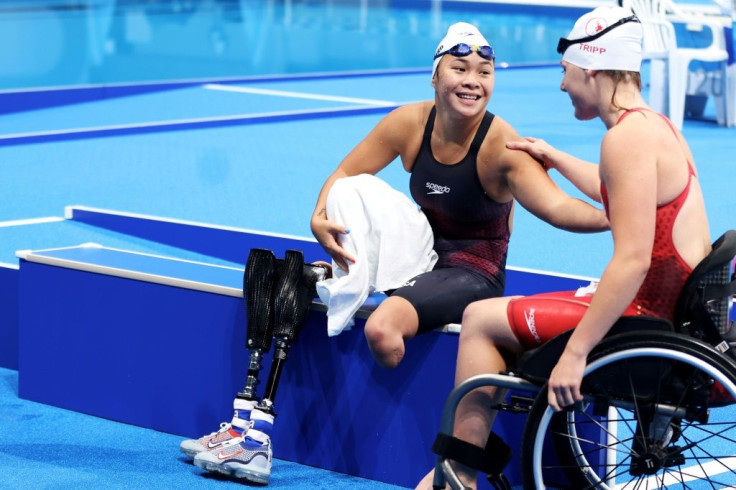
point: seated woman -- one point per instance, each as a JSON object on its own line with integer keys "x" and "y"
{"x": 648, "y": 184}
{"x": 464, "y": 179}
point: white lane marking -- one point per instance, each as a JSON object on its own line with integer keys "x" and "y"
{"x": 31, "y": 221}
{"x": 298, "y": 95}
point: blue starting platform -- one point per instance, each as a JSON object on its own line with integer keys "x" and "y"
{"x": 159, "y": 342}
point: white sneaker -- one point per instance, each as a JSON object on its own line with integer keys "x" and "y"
{"x": 227, "y": 433}
{"x": 249, "y": 458}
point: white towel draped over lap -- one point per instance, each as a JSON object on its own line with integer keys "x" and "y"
{"x": 389, "y": 237}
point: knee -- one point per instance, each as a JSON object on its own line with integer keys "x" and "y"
{"x": 385, "y": 343}
{"x": 474, "y": 317}
{"x": 485, "y": 320}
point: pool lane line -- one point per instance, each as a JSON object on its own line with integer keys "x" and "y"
{"x": 30, "y": 221}
{"x": 184, "y": 124}
{"x": 298, "y": 95}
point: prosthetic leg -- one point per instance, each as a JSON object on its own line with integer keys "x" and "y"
{"x": 278, "y": 294}
{"x": 294, "y": 291}
{"x": 258, "y": 288}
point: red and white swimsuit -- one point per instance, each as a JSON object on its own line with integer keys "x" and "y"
{"x": 538, "y": 318}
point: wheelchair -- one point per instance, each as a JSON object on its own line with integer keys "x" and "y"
{"x": 659, "y": 408}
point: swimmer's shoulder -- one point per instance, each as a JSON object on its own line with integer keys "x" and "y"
{"x": 501, "y": 127}
{"x": 412, "y": 113}
{"x": 407, "y": 119}
{"x": 499, "y": 133}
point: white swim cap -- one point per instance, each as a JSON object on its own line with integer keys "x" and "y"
{"x": 608, "y": 38}
{"x": 458, "y": 33}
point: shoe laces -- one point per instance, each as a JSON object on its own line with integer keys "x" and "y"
{"x": 223, "y": 427}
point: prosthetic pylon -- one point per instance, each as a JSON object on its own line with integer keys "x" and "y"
{"x": 295, "y": 289}
{"x": 278, "y": 295}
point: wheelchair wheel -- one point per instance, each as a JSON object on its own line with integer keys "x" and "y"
{"x": 649, "y": 420}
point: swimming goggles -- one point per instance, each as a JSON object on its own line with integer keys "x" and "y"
{"x": 563, "y": 44}
{"x": 462, "y": 49}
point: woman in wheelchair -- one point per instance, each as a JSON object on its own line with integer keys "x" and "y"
{"x": 648, "y": 185}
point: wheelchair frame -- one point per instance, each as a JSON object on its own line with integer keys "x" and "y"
{"x": 691, "y": 359}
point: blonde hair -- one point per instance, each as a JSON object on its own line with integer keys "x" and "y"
{"x": 619, "y": 76}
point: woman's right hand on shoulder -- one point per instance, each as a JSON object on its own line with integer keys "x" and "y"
{"x": 328, "y": 234}
{"x": 539, "y": 149}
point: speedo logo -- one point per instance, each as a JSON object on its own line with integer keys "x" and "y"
{"x": 531, "y": 324}
{"x": 437, "y": 189}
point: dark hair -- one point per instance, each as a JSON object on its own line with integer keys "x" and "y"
{"x": 619, "y": 76}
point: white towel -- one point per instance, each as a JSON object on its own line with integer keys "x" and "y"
{"x": 389, "y": 237}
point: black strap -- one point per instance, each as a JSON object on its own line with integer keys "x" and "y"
{"x": 480, "y": 135}
{"x": 500, "y": 454}
{"x": 718, "y": 291}
{"x": 490, "y": 460}
{"x": 426, "y": 137}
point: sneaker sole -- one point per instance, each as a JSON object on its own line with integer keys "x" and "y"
{"x": 189, "y": 452}
{"x": 234, "y": 470}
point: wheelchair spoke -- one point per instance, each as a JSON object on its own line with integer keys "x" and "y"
{"x": 646, "y": 423}
{"x": 672, "y": 477}
{"x": 715, "y": 461}
{"x": 603, "y": 428}
{"x": 614, "y": 473}
{"x": 596, "y": 446}
{"x": 637, "y": 484}
{"x": 637, "y": 411}
{"x": 715, "y": 434}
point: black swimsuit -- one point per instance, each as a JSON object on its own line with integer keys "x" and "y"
{"x": 471, "y": 234}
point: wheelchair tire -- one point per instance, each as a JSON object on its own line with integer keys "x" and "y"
{"x": 647, "y": 422}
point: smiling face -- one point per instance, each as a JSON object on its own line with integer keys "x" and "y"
{"x": 464, "y": 83}
{"x": 577, "y": 83}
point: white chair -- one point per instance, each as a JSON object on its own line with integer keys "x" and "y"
{"x": 669, "y": 64}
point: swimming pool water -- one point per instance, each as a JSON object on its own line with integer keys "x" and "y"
{"x": 60, "y": 43}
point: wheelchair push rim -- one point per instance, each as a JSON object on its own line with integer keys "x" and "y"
{"x": 616, "y": 458}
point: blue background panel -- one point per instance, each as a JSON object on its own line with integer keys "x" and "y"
{"x": 9, "y": 317}
{"x": 107, "y": 346}
{"x": 172, "y": 360}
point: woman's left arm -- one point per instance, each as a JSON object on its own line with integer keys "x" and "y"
{"x": 629, "y": 171}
